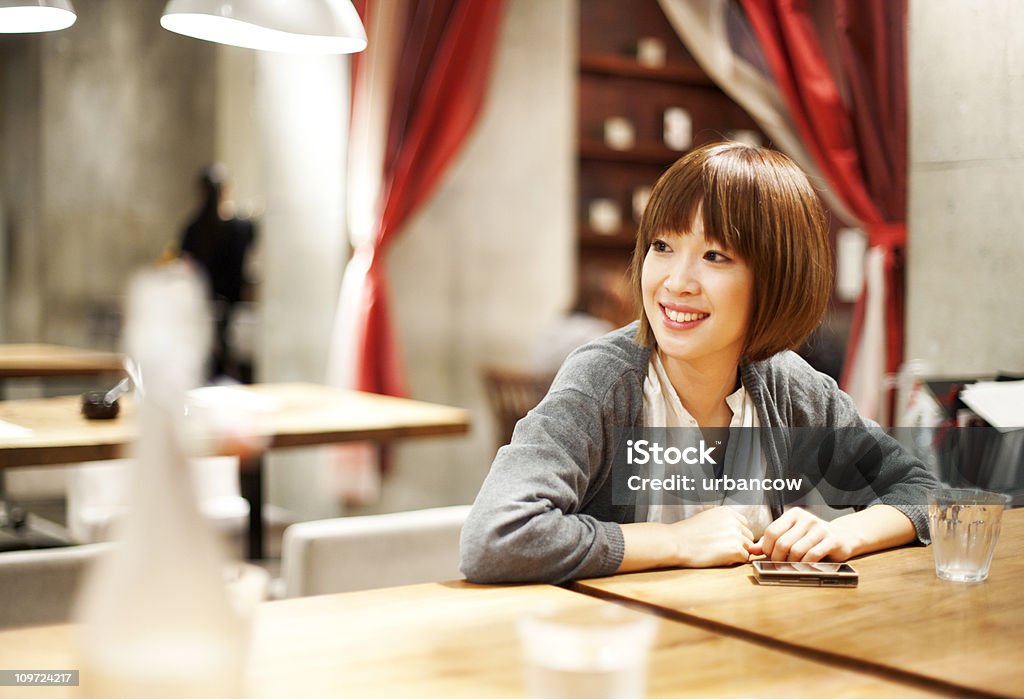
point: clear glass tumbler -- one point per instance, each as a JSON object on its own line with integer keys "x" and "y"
{"x": 587, "y": 654}
{"x": 964, "y": 525}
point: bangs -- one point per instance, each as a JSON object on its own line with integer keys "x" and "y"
{"x": 673, "y": 209}
{"x": 682, "y": 194}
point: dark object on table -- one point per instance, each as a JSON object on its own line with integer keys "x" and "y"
{"x": 95, "y": 406}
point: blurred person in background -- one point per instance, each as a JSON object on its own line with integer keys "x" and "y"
{"x": 603, "y": 304}
{"x": 217, "y": 242}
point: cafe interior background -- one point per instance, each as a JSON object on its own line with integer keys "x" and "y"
{"x": 105, "y": 125}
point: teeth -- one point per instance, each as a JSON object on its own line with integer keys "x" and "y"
{"x": 679, "y": 317}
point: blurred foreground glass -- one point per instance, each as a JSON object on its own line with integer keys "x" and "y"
{"x": 964, "y": 525}
{"x": 588, "y": 654}
{"x": 156, "y": 616}
{"x": 248, "y": 585}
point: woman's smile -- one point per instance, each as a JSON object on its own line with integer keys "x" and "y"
{"x": 682, "y": 317}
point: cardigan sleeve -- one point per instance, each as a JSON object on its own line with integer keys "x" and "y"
{"x": 859, "y": 458}
{"x": 536, "y": 517}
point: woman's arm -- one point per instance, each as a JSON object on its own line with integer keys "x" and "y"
{"x": 535, "y": 518}
{"x": 863, "y": 466}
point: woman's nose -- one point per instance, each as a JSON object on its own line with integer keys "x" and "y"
{"x": 682, "y": 278}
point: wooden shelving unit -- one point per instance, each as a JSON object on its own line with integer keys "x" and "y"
{"x": 627, "y": 67}
{"x": 591, "y": 149}
{"x": 623, "y": 239}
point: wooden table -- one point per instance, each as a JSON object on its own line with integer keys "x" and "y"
{"x": 287, "y": 415}
{"x": 901, "y": 622}
{"x": 41, "y": 360}
{"x": 20, "y": 361}
{"x": 450, "y": 640}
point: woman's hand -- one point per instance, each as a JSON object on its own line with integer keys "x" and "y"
{"x": 720, "y": 536}
{"x": 714, "y": 537}
{"x": 799, "y": 535}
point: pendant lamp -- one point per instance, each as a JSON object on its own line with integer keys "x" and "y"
{"x": 290, "y": 26}
{"x": 26, "y": 16}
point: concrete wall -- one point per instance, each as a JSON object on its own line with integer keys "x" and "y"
{"x": 19, "y": 195}
{"x": 114, "y": 129}
{"x": 238, "y": 142}
{"x": 489, "y": 262}
{"x": 965, "y": 312}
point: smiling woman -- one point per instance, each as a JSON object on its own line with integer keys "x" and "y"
{"x": 732, "y": 269}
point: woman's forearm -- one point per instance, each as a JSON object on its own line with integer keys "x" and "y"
{"x": 648, "y": 545}
{"x": 875, "y": 528}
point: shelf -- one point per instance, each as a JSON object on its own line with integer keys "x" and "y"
{"x": 627, "y": 67}
{"x": 624, "y": 239}
{"x": 647, "y": 155}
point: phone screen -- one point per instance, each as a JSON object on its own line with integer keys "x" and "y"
{"x": 796, "y": 567}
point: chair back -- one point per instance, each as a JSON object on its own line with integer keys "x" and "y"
{"x": 358, "y": 553}
{"x": 40, "y": 587}
{"x": 99, "y": 494}
{"x": 511, "y": 394}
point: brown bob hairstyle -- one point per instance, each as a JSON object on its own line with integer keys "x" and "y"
{"x": 756, "y": 203}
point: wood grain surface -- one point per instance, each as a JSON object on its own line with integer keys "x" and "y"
{"x": 901, "y": 620}
{"x": 40, "y": 360}
{"x": 288, "y": 414}
{"x": 450, "y": 640}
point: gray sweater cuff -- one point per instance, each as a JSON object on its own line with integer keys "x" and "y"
{"x": 616, "y": 551}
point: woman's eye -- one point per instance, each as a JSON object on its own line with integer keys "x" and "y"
{"x": 715, "y": 256}
{"x": 659, "y": 246}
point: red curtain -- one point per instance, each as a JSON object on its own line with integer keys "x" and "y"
{"x": 439, "y": 87}
{"x": 860, "y": 142}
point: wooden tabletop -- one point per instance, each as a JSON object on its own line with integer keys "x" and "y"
{"x": 288, "y": 414}
{"x": 40, "y": 360}
{"x": 901, "y": 620}
{"x": 450, "y": 640}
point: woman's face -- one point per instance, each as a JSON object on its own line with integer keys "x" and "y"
{"x": 697, "y": 297}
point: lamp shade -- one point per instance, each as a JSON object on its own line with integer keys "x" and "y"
{"x": 26, "y": 16}
{"x": 290, "y": 26}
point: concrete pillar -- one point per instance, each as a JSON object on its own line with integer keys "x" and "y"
{"x": 302, "y": 102}
{"x": 964, "y": 286}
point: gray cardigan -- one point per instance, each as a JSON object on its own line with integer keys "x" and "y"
{"x": 545, "y": 512}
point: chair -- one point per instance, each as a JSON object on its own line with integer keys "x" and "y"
{"x": 358, "y": 553}
{"x": 40, "y": 587}
{"x": 511, "y": 394}
{"x": 98, "y": 494}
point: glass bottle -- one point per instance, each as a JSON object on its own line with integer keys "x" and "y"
{"x": 156, "y": 620}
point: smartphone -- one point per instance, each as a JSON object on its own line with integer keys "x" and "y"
{"x": 805, "y": 574}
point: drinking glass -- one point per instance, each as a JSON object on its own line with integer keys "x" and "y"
{"x": 587, "y": 654}
{"x": 964, "y": 525}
